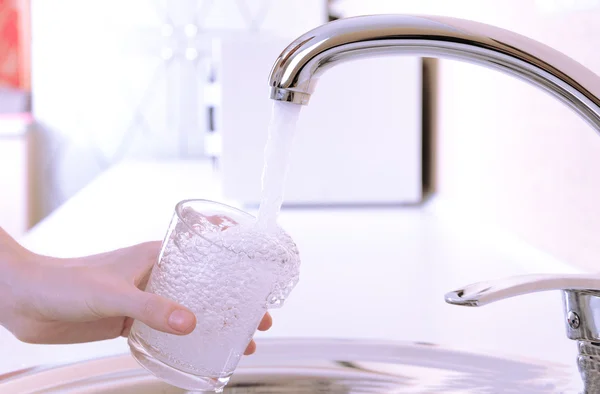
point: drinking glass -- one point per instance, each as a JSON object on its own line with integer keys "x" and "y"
{"x": 228, "y": 272}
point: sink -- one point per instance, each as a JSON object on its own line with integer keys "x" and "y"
{"x": 304, "y": 366}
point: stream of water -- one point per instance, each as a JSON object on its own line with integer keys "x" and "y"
{"x": 278, "y": 151}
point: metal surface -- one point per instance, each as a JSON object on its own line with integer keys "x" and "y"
{"x": 586, "y": 306}
{"x": 295, "y": 73}
{"x": 581, "y": 304}
{"x": 573, "y": 320}
{"x": 483, "y": 293}
{"x": 581, "y": 298}
{"x": 303, "y": 366}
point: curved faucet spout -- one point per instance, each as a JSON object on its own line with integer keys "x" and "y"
{"x": 295, "y": 73}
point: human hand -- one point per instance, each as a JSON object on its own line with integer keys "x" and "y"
{"x": 50, "y": 300}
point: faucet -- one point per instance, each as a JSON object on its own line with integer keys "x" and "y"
{"x": 296, "y": 71}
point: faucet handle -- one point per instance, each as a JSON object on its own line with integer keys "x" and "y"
{"x": 482, "y": 293}
{"x": 581, "y": 307}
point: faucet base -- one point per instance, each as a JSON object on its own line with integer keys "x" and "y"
{"x": 588, "y": 362}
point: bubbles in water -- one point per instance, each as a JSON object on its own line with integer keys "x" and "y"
{"x": 228, "y": 278}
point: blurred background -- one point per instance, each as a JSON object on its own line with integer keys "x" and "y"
{"x": 87, "y": 85}
{"x": 108, "y": 106}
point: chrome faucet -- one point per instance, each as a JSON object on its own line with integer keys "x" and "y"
{"x": 294, "y": 77}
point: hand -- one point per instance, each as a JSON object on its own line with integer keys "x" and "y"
{"x": 52, "y": 301}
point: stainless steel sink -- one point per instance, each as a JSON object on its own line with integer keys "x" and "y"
{"x": 320, "y": 366}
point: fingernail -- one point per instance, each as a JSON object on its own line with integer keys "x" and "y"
{"x": 181, "y": 320}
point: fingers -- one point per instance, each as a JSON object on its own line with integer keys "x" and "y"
{"x": 159, "y": 313}
{"x": 251, "y": 348}
{"x": 224, "y": 222}
{"x": 266, "y": 322}
{"x": 126, "y": 327}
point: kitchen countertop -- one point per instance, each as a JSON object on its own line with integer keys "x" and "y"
{"x": 366, "y": 273}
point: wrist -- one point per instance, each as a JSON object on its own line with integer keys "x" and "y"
{"x": 13, "y": 262}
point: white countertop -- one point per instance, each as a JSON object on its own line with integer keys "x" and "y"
{"x": 366, "y": 273}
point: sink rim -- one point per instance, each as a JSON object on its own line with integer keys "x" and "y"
{"x": 358, "y": 354}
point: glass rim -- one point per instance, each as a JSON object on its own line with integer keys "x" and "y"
{"x": 179, "y": 207}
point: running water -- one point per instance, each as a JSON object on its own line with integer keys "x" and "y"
{"x": 228, "y": 273}
{"x": 276, "y": 163}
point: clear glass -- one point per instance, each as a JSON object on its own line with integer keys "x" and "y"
{"x": 212, "y": 262}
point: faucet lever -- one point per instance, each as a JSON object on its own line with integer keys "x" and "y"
{"x": 482, "y": 293}
{"x": 581, "y": 308}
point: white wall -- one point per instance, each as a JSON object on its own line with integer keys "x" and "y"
{"x": 114, "y": 79}
{"x": 508, "y": 153}
{"x": 14, "y": 184}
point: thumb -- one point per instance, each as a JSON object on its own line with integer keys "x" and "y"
{"x": 159, "y": 312}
